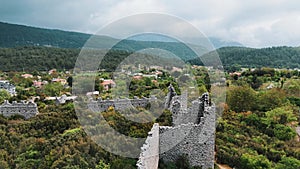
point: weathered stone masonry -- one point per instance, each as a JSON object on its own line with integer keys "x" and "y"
{"x": 26, "y": 109}
{"x": 194, "y": 129}
{"x": 192, "y": 133}
{"x": 150, "y": 151}
{"x": 119, "y": 104}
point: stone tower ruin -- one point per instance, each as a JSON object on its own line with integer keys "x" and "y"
{"x": 191, "y": 134}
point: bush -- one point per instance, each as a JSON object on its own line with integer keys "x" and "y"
{"x": 288, "y": 163}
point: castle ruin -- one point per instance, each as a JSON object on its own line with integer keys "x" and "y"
{"x": 191, "y": 135}
{"x": 26, "y": 109}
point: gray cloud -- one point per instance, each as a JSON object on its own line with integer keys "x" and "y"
{"x": 254, "y": 23}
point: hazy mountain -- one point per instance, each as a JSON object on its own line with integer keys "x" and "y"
{"x": 218, "y": 43}
{"x": 13, "y": 35}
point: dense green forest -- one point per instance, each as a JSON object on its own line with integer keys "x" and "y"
{"x": 12, "y": 35}
{"x": 277, "y": 57}
{"x": 37, "y": 58}
{"x": 233, "y": 58}
{"x": 45, "y": 58}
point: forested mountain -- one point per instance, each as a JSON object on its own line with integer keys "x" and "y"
{"x": 45, "y": 49}
{"x": 34, "y": 58}
{"x": 45, "y": 58}
{"x": 277, "y": 57}
{"x": 12, "y": 35}
{"x": 37, "y": 58}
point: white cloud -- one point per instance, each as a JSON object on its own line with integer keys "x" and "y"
{"x": 122, "y": 9}
{"x": 254, "y": 23}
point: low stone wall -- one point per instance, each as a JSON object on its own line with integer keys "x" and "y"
{"x": 26, "y": 109}
{"x": 119, "y": 104}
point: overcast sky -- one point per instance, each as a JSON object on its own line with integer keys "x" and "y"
{"x": 254, "y": 23}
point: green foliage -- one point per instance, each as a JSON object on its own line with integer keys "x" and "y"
{"x": 283, "y": 132}
{"x": 276, "y": 57}
{"x": 294, "y": 100}
{"x": 4, "y": 95}
{"x": 292, "y": 87}
{"x": 255, "y": 161}
{"x": 37, "y": 58}
{"x": 50, "y": 140}
{"x": 123, "y": 163}
{"x": 280, "y": 115}
{"x": 271, "y": 99}
{"x": 71, "y": 132}
{"x": 52, "y": 89}
{"x": 288, "y": 163}
{"x": 102, "y": 165}
{"x": 4, "y": 165}
{"x": 256, "y": 140}
{"x": 241, "y": 98}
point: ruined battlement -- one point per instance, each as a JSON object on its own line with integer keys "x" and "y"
{"x": 26, "y": 109}
{"x": 191, "y": 134}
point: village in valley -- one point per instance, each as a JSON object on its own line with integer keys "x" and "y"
{"x": 32, "y": 95}
{"x": 149, "y": 84}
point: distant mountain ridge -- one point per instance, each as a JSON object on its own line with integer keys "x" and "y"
{"x": 13, "y": 35}
{"x": 62, "y": 49}
{"x": 276, "y": 57}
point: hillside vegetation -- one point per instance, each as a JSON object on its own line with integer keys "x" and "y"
{"x": 45, "y": 58}
{"x": 277, "y": 57}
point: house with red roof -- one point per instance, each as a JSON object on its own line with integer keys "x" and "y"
{"x": 108, "y": 84}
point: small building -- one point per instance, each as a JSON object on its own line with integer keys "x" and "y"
{"x": 150, "y": 76}
{"x": 60, "y": 80}
{"x": 27, "y": 76}
{"x": 137, "y": 77}
{"x": 61, "y": 99}
{"x": 94, "y": 93}
{"x": 235, "y": 74}
{"x": 108, "y": 84}
{"x": 39, "y": 84}
{"x": 52, "y": 71}
{"x": 4, "y": 84}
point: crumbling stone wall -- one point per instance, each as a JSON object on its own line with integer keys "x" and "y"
{"x": 192, "y": 133}
{"x": 26, "y": 109}
{"x": 120, "y": 104}
{"x": 149, "y": 156}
